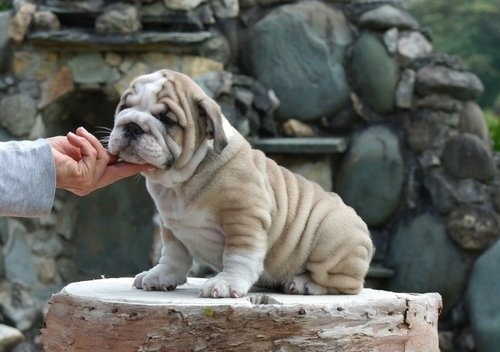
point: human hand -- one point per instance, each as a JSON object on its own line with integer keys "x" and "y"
{"x": 84, "y": 165}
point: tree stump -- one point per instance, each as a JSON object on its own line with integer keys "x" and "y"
{"x": 110, "y": 315}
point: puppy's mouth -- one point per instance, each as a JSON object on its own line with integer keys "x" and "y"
{"x": 138, "y": 151}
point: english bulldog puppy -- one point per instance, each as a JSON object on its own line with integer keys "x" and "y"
{"x": 229, "y": 206}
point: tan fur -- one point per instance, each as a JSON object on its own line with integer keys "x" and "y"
{"x": 232, "y": 208}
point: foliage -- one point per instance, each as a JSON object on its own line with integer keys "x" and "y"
{"x": 469, "y": 29}
{"x": 494, "y": 128}
{"x": 5, "y": 5}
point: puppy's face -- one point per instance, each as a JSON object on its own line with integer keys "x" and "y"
{"x": 163, "y": 119}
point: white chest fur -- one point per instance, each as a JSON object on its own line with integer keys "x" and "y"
{"x": 195, "y": 227}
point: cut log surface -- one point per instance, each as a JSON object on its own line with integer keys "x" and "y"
{"x": 111, "y": 315}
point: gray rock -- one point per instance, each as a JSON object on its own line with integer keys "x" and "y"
{"x": 446, "y": 192}
{"x": 46, "y": 21}
{"x": 67, "y": 215}
{"x": 473, "y": 228}
{"x": 426, "y": 260}
{"x": 182, "y": 5}
{"x": 215, "y": 83}
{"x": 471, "y": 191}
{"x": 225, "y": 8}
{"x": 429, "y": 160}
{"x": 20, "y": 22}
{"x": 483, "y": 302}
{"x": 17, "y": 114}
{"x": 19, "y": 306}
{"x": 118, "y": 19}
{"x": 9, "y": 337}
{"x": 439, "y": 102}
{"x": 216, "y": 47}
{"x": 44, "y": 243}
{"x": 90, "y": 68}
{"x": 443, "y": 80}
{"x": 158, "y": 15}
{"x": 371, "y": 62}
{"x": 404, "y": 91}
{"x": 4, "y": 37}
{"x": 308, "y": 77}
{"x": 65, "y": 6}
{"x": 413, "y": 46}
{"x": 441, "y": 190}
{"x": 370, "y": 176}
{"x": 391, "y": 40}
{"x": 387, "y": 16}
{"x": 19, "y": 265}
{"x": 472, "y": 121}
{"x": 496, "y": 198}
{"x": 465, "y": 156}
{"x": 422, "y": 129}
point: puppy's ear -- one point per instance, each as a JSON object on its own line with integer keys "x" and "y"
{"x": 211, "y": 112}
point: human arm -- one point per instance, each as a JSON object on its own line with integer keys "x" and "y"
{"x": 31, "y": 170}
{"x": 27, "y": 178}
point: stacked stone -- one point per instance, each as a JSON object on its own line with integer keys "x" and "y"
{"x": 418, "y": 168}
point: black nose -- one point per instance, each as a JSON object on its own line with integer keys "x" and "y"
{"x": 133, "y": 130}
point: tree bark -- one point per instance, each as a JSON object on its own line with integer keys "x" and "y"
{"x": 110, "y": 315}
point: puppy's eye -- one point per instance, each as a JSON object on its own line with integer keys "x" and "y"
{"x": 165, "y": 119}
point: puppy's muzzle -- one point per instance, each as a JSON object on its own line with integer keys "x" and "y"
{"x": 133, "y": 130}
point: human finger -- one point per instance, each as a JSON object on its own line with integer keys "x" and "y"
{"x": 62, "y": 145}
{"x": 89, "y": 153}
{"x": 102, "y": 153}
{"x": 120, "y": 170}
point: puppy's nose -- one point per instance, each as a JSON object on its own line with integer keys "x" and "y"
{"x": 133, "y": 130}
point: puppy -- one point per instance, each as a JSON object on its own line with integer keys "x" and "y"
{"x": 229, "y": 206}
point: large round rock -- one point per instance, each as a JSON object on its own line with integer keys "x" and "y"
{"x": 370, "y": 177}
{"x": 426, "y": 259}
{"x": 483, "y": 302}
{"x": 375, "y": 73}
{"x": 297, "y": 50}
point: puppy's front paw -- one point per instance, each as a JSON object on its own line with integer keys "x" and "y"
{"x": 159, "y": 278}
{"x": 223, "y": 286}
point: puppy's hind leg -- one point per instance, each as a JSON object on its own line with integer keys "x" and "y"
{"x": 342, "y": 271}
{"x": 341, "y": 256}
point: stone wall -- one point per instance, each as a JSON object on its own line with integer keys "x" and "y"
{"x": 416, "y": 163}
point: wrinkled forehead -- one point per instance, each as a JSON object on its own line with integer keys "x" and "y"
{"x": 143, "y": 91}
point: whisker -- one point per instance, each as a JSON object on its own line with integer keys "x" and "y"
{"x": 137, "y": 178}
{"x": 105, "y": 131}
